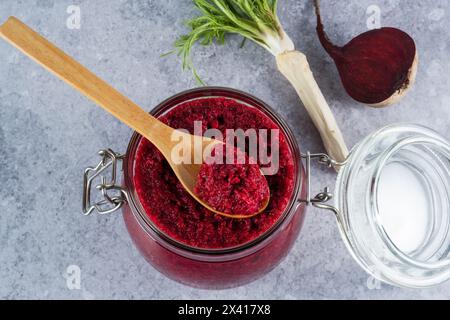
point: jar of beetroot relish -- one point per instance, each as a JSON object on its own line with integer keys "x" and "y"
{"x": 392, "y": 199}
{"x": 178, "y": 236}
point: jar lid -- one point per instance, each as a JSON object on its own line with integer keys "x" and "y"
{"x": 393, "y": 201}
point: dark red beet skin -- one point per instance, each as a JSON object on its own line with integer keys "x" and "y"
{"x": 375, "y": 65}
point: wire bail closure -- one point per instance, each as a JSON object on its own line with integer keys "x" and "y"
{"x": 113, "y": 195}
{"x": 320, "y": 200}
{"x": 112, "y": 202}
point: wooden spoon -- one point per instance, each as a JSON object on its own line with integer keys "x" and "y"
{"x": 59, "y": 63}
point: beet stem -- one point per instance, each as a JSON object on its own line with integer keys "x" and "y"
{"x": 333, "y": 50}
{"x": 295, "y": 67}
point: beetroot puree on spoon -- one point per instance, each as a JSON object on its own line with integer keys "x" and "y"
{"x": 236, "y": 188}
{"x": 181, "y": 217}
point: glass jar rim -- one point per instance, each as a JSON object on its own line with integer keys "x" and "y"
{"x": 247, "y": 99}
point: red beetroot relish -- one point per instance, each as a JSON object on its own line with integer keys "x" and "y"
{"x": 181, "y": 217}
{"x": 232, "y": 188}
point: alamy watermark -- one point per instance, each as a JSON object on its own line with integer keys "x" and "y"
{"x": 73, "y": 277}
{"x": 374, "y": 19}
{"x": 373, "y": 282}
{"x": 260, "y": 145}
{"x": 74, "y": 19}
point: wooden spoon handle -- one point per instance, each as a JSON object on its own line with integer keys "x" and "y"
{"x": 69, "y": 70}
{"x": 294, "y": 66}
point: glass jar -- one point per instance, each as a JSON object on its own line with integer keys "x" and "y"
{"x": 392, "y": 200}
{"x": 205, "y": 268}
{"x": 392, "y": 208}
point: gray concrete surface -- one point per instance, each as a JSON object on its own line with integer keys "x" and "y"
{"x": 49, "y": 134}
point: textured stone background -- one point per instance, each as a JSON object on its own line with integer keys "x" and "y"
{"x": 49, "y": 133}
